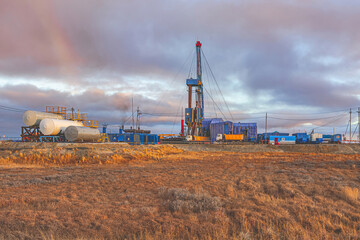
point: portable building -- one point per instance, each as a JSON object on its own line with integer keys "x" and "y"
{"x": 215, "y": 129}
{"x": 301, "y": 137}
{"x": 113, "y": 137}
{"x": 228, "y": 127}
{"x": 282, "y": 139}
{"x": 326, "y": 138}
{"x": 206, "y": 125}
{"x": 316, "y": 138}
{"x": 243, "y": 128}
{"x": 336, "y": 138}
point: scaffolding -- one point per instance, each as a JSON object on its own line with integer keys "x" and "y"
{"x": 56, "y": 110}
{"x": 73, "y": 115}
{"x": 30, "y": 134}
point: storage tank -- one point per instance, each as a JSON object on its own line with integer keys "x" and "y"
{"x": 32, "y": 118}
{"x": 76, "y": 133}
{"x": 54, "y": 126}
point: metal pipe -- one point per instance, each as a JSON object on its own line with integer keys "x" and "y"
{"x": 190, "y": 96}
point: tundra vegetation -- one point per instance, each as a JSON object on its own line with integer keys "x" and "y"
{"x": 112, "y": 191}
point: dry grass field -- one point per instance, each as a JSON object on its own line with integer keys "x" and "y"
{"x": 164, "y": 192}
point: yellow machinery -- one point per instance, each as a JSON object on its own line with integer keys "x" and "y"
{"x": 103, "y": 138}
{"x": 201, "y": 138}
{"x": 234, "y": 137}
{"x": 162, "y": 136}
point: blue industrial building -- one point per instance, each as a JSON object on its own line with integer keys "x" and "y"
{"x": 137, "y": 138}
{"x": 301, "y": 137}
{"x": 336, "y": 138}
{"x": 249, "y": 129}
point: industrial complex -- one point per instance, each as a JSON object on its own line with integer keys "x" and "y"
{"x": 60, "y": 124}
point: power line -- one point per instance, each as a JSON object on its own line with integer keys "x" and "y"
{"x": 326, "y": 124}
{"x": 215, "y": 103}
{"x": 207, "y": 63}
{"x": 307, "y": 119}
{"x": 295, "y": 114}
{"x": 11, "y": 109}
{"x": 355, "y": 130}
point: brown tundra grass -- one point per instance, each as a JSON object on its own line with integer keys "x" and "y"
{"x": 162, "y": 192}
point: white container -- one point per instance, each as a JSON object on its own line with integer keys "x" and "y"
{"x": 55, "y": 126}
{"x": 314, "y": 136}
{"x": 219, "y": 137}
{"x": 33, "y": 118}
{"x": 75, "y": 133}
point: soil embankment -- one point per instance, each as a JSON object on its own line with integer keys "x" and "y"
{"x": 297, "y": 148}
{"x": 87, "y": 149}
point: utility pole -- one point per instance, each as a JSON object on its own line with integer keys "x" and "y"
{"x": 138, "y": 114}
{"x": 350, "y": 125}
{"x": 265, "y": 126}
{"x": 359, "y": 122}
{"x": 132, "y": 111}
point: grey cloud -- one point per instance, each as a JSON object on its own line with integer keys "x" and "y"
{"x": 114, "y": 108}
{"x": 251, "y": 46}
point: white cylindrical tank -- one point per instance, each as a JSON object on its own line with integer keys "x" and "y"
{"x": 75, "y": 133}
{"x": 54, "y": 126}
{"x": 32, "y": 118}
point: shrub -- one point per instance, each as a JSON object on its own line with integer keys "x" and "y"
{"x": 351, "y": 193}
{"x": 178, "y": 199}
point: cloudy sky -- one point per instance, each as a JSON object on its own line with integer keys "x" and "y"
{"x": 298, "y": 60}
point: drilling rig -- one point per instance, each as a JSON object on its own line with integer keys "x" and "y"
{"x": 194, "y": 116}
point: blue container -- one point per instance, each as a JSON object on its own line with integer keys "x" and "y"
{"x": 113, "y": 137}
{"x": 326, "y": 138}
{"x": 134, "y": 138}
{"x": 301, "y": 137}
{"x": 215, "y": 129}
{"x": 337, "y": 138}
{"x": 152, "y": 139}
{"x": 206, "y": 124}
{"x": 241, "y": 128}
{"x": 319, "y": 140}
{"x": 283, "y": 139}
{"x": 129, "y": 137}
{"x": 228, "y": 127}
{"x": 141, "y": 138}
{"x": 121, "y": 138}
